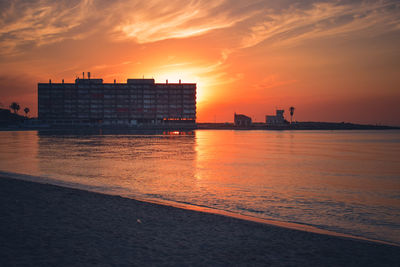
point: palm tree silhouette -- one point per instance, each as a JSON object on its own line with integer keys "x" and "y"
{"x": 291, "y": 109}
{"x": 15, "y": 106}
{"x": 26, "y": 110}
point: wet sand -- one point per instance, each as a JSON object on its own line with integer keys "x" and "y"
{"x": 43, "y": 224}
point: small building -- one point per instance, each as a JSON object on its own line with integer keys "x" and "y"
{"x": 277, "y": 119}
{"x": 242, "y": 120}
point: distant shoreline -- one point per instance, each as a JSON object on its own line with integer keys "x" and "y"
{"x": 298, "y": 126}
{"x": 329, "y": 126}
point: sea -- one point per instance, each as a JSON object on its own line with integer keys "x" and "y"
{"x": 346, "y": 182}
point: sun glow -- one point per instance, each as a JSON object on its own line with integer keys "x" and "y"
{"x": 185, "y": 76}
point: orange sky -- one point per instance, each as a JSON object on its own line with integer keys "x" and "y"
{"x": 332, "y": 60}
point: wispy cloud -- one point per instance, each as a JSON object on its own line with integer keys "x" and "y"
{"x": 295, "y": 25}
{"x": 40, "y": 22}
{"x": 273, "y": 81}
{"x": 25, "y": 24}
{"x": 209, "y": 73}
{"x": 155, "y": 20}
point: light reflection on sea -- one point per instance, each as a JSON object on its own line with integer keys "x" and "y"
{"x": 345, "y": 181}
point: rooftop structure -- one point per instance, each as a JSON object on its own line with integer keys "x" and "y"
{"x": 138, "y": 102}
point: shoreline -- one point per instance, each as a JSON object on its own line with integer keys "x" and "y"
{"x": 54, "y": 225}
{"x": 298, "y": 126}
{"x": 269, "y": 222}
{"x": 192, "y": 207}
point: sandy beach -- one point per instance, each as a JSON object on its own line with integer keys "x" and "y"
{"x": 47, "y": 225}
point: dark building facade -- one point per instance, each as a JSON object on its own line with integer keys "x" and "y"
{"x": 139, "y": 102}
{"x": 277, "y": 119}
{"x": 242, "y": 120}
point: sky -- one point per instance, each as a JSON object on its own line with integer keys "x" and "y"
{"x": 332, "y": 60}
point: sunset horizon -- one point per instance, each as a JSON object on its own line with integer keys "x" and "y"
{"x": 200, "y": 133}
{"x": 333, "y": 61}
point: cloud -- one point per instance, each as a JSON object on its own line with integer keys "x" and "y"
{"x": 273, "y": 81}
{"x": 156, "y": 21}
{"x": 294, "y": 25}
{"x": 209, "y": 73}
{"x": 27, "y": 23}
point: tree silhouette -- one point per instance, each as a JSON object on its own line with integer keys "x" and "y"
{"x": 26, "y": 110}
{"x": 15, "y": 106}
{"x": 291, "y": 109}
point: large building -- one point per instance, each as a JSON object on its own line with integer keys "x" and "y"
{"x": 139, "y": 102}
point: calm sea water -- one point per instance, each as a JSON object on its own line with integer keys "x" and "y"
{"x": 344, "y": 181}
